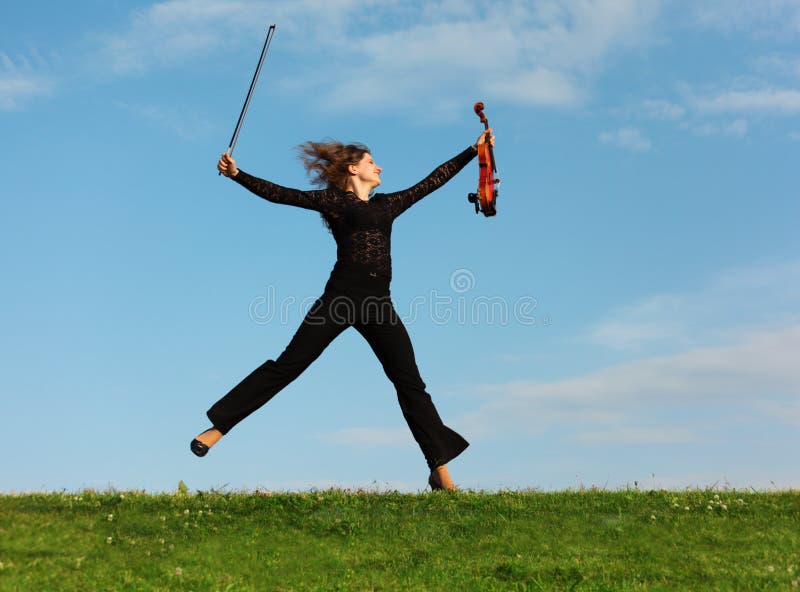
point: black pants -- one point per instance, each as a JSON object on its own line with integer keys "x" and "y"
{"x": 374, "y": 316}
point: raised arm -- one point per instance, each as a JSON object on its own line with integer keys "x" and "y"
{"x": 310, "y": 200}
{"x": 319, "y": 200}
{"x": 400, "y": 201}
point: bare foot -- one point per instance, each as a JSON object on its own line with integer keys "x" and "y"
{"x": 442, "y": 476}
{"x": 210, "y": 437}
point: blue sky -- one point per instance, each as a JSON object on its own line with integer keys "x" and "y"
{"x": 630, "y": 315}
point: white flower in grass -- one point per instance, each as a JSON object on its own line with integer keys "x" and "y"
{"x": 110, "y": 517}
{"x": 708, "y": 507}
{"x": 795, "y": 583}
{"x": 652, "y": 517}
{"x": 178, "y": 571}
{"x": 716, "y": 497}
{"x": 108, "y": 540}
{"x": 186, "y": 511}
{"x": 770, "y": 568}
{"x": 686, "y": 508}
{"x": 724, "y": 507}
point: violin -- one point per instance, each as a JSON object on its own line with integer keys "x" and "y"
{"x": 485, "y": 199}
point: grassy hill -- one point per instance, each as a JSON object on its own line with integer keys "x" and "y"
{"x": 341, "y": 540}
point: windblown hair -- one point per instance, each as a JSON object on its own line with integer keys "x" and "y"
{"x": 326, "y": 163}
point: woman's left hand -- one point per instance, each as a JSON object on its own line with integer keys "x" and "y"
{"x": 482, "y": 138}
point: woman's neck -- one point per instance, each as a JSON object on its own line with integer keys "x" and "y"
{"x": 361, "y": 189}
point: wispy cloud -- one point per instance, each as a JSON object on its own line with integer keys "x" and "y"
{"x": 735, "y": 343}
{"x": 786, "y": 67}
{"x": 181, "y": 123}
{"x": 171, "y": 32}
{"x": 388, "y": 54}
{"x": 732, "y": 302}
{"x": 771, "y": 101}
{"x": 17, "y": 90}
{"x": 661, "y": 109}
{"x": 20, "y": 82}
{"x": 547, "y": 53}
{"x": 736, "y": 128}
{"x": 628, "y": 138}
{"x": 760, "y": 367}
{"x": 766, "y": 17}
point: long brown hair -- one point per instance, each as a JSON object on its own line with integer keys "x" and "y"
{"x": 326, "y": 163}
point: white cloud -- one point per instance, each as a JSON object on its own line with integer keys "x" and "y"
{"x": 661, "y": 109}
{"x": 737, "y": 128}
{"x": 728, "y": 349}
{"x": 183, "y": 124}
{"x": 19, "y": 82}
{"x": 760, "y": 18}
{"x": 656, "y": 319}
{"x": 759, "y": 369}
{"x": 15, "y": 90}
{"x": 170, "y": 32}
{"x": 771, "y": 101}
{"x": 628, "y": 138}
{"x": 731, "y": 303}
{"x": 777, "y": 64}
{"x": 547, "y": 53}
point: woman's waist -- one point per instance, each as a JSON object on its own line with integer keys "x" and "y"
{"x": 361, "y": 278}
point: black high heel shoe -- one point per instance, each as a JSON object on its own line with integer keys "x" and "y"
{"x": 198, "y": 447}
{"x": 433, "y": 483}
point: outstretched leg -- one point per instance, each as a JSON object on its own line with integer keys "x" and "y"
{"x": 388, "y": 338}
{"x": 318, "y": 329}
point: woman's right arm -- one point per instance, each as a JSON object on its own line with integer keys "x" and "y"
{"x": 310, "y": 200}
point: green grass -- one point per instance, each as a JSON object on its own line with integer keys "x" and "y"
{"x": 588, "y": 539}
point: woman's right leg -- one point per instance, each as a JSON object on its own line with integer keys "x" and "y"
{"x": 318, "y": 329}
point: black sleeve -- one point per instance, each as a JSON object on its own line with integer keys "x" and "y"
{"x": 400, "y": 201}
{"x": 320, "y": 200}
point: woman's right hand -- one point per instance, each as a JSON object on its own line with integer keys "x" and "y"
{"x": 227, "y": 166}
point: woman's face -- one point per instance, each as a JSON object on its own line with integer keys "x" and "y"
{"x": 367, "y": 171}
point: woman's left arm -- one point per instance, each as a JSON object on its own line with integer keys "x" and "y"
{"x": 400, "y": 201}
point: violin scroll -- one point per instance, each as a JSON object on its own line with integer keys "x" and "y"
{"x": 478, "y": 107}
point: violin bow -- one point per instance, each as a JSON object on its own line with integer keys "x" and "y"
{"x": 267, "y": 42}
{"x": 485, "y": 199}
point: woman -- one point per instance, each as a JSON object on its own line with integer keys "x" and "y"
{"x": 356, "y": 294}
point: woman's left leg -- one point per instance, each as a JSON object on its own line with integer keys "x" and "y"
{"x": 388, "y": 338}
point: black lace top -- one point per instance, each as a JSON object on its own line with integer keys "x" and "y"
{"x": 362, "y": 229}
